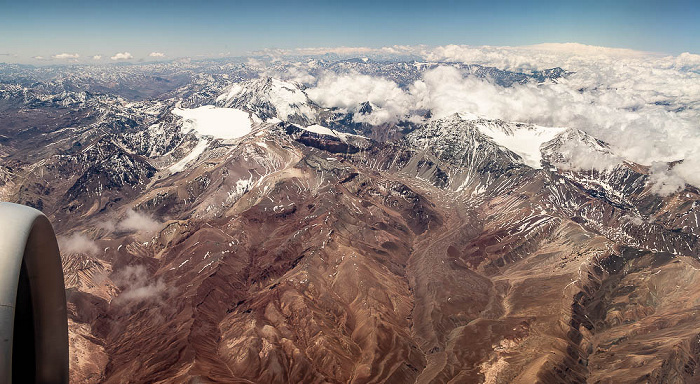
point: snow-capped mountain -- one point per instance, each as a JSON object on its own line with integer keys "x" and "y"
{"x": 270, "y": 98}
{"x": 221, "y": 226}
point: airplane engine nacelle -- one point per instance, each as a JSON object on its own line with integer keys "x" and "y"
{"x": 33, "y": 321}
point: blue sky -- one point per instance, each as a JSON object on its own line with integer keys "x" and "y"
{"x": 190, "y": 28}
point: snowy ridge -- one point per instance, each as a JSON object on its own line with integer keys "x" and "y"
{"x": 270, "y": 98}
{"x": 451, "y": 152}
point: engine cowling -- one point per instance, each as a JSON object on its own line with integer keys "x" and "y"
{"x": 33, "y": 319}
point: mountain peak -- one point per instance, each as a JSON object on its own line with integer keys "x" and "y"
{"x": 269, "y": 98}
{"x": 365, "y": 108}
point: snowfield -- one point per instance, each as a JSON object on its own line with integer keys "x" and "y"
{"x": 221, "y": 123}
{"x": 525, "y": 140}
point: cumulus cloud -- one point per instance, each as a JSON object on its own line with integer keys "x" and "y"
{"x": 646, "y": 106}
{"x": 255, "y": 63}
{"x": 295, "y": 72}
{"x": 687, "y": 61}
{"x": 299, "y": 75}
{"x": 136, "y": 221}
{"x": 348, "y": 91}
{"x": 122, "y": 56}
{"x": 688, "y": 169}
{"x": 571, "y": 56}
{"x": 97, "y": 57}
{"x": 77, "y": 243}
{"x": 66, "y": 56}
{"x": 138, "y": 285}
{"x": 662, "y": 181}
{"x": 444, "y": 91}
{"x": 156, "y": 54}
{"x": 578, "y": 156}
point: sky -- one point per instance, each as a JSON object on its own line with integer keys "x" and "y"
{"x": 176, "y": 28}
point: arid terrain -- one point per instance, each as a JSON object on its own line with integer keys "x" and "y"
{"x": 313, "y": 248}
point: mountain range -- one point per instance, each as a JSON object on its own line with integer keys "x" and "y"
{"x": 218, "y": 224}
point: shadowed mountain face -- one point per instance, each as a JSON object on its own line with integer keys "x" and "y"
{"x": 308, "y": 254}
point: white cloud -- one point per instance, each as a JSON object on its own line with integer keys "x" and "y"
{"x": 97, "y": 57}
{"x": 77, "y": 243}
{"x": 156, "y": 54}
{"x": 394, "y": 50}
{"x": 315, "y": 51}
{"x": 687, "y": 61}
{"x": 136, "y": 221}
{"x": 349, "y": 90}
{"x": 137, "y": 285}
{"x": 646, "y": 106}
{"x": 255, "y": 63}
{"x": 295, "y": 72}
{"x": 581, "y": 157}
{"x": 571, "y": 56}
{"x": 663, "y": 181}
{"x": 336, "y": 50}
{"x": 445, "y": 91}
{"x": 66, "y": 56}
{"x": 122, "y": 56}
{"x": 688, "y": 169}
{"x": 107, "y": 225}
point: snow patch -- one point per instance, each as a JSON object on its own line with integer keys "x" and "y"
{"x": 193, "y": 155}
{"x": 321, "y": 130}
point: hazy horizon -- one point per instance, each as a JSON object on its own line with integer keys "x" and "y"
{"x": 81, "y": 31}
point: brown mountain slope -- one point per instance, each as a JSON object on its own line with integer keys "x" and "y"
{"x": 275, "y": 260}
